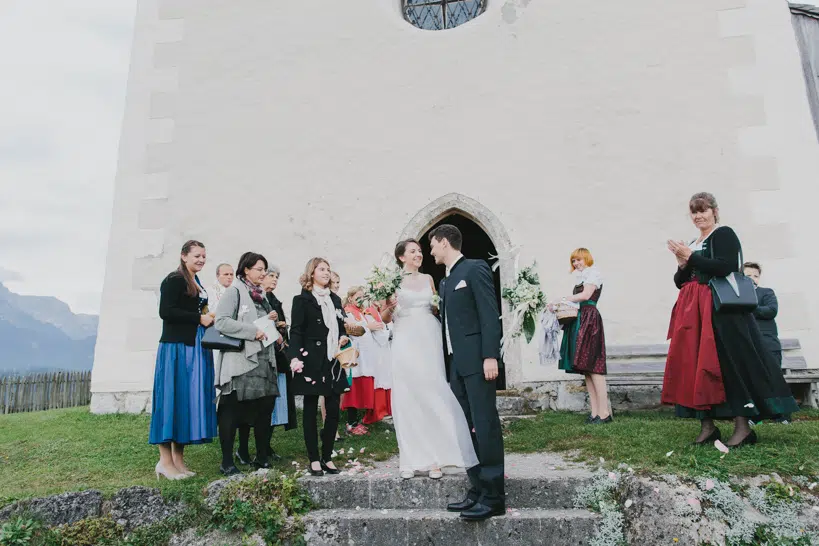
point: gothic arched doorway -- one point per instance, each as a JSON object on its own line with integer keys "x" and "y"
{"x": 477, "y": 245}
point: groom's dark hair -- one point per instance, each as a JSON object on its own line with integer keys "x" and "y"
{"x": 450, "y": 233}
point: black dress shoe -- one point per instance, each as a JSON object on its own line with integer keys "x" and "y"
{"x": 747, "y": 441}
{"x": 261, "y": 464}
{"x": 274, "y": 456}
{"x": 591, "y": 419}
{"x": 461, "y": 506}
{"x": 229, "y": 471}
{"x": 480, "y": 512}
{"x": 242, "y": 460}
{"x": 327, "y": 469}
{"x": 713, "y": 437}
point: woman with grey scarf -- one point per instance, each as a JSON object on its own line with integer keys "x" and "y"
{"x": 246, "y": 379}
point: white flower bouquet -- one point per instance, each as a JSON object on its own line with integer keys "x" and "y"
{"x": 383, "y": 282}
{"x": 435, "y": 301}
{"x": 527, "y": 301}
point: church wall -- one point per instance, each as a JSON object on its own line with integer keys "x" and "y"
{"x": 573, "y": 125}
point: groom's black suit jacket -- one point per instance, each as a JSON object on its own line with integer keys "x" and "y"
{"x": 472, "y": 310}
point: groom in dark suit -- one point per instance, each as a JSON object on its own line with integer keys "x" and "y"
{"x": 472, "y": 337}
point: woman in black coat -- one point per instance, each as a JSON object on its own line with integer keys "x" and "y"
{"x": 316, "y": 333}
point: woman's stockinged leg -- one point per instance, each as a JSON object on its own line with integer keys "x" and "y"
{"x": 331, "y": 404}
{"x": 592, "y": 396}
{"x": 602, "y": 393}
{"x": 310, "y": 426}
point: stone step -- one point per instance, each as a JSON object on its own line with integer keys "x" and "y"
{"x": 512, "y": 405}
{"x": 412, "y": 527}
{"x": 547, "y": 489}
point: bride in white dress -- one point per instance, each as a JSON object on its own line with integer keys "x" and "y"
{"x": 430, "y": 425}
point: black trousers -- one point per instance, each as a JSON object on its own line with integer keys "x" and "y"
{"x": 310, "y": 426}
{"x": 477, "y": 398}
{"x": 233, "y": 413}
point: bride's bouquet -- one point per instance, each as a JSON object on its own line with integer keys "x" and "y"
{"x": 527, "y": 301}
{"x": 383, "y": 282}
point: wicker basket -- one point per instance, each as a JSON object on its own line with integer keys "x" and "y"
{"x": 348, "y": 358}
{"x": 354, "y": 330}
{"x": 565, "y": 313}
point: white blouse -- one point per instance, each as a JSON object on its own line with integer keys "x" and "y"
{"x": 590, "y": 275}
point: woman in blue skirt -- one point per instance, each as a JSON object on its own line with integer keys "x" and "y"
{"x": 184, "y": 409}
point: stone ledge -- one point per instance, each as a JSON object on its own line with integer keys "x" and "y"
{"x": 398, "y": 527}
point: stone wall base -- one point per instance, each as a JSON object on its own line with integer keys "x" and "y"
{"x": 573, "y": 396}
{"x": 121, "y": 402}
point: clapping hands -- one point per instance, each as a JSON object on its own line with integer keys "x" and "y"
{"x": 681, "y": 252}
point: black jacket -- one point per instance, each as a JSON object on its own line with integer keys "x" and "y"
{"x": 472, "y": 311}
{"x": 308, "y": 333}
{"x": 180, "y": 313}
{"x": 765, "y": 313}
{"x": 719, "y": 258}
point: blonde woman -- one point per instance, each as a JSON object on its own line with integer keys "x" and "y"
{"x": 316, "y": 332}
{"x": 583, "y": 350}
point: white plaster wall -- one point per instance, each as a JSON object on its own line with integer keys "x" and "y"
{"x": 575, "y": 125}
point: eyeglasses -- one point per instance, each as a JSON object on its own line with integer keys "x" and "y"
{"x": 259, "y": 269}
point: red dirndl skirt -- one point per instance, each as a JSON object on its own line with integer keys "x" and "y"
{"x": 693, "y": 378}
{"x": 361, "y": 395}
{"x": 382, "y": 406}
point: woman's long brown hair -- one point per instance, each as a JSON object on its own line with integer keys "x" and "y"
{"x": 192, "y": 287}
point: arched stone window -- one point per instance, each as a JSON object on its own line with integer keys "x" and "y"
{"x": 441, "y": 14}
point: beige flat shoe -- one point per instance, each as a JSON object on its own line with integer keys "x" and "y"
{"x": 436, "y": 474}
{"x": 407, "y": 474}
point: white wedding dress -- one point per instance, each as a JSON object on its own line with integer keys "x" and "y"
{"x": 429, "y": 423}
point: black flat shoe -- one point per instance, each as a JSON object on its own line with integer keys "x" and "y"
{"x": 480, "y": 512}
{"x": 229, "y": 471}
{"x": 713, "y": 437}
{"x": 327, "y": 469}
{"x": 591, "y": 418}
{"x": 606, "y": 421}
{"x": 749, "y": 440}
{"x": 318, "y": 472}
{"x": 274, "y": 456}
{"x": 461, "y": 506}
{"x": 242, "y": 460}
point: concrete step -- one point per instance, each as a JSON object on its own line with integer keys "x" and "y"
{"x": 413, "y": 527}
{"x": 539, "y": 488}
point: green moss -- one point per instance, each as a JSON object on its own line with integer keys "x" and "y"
{"x": 269, "y": 505}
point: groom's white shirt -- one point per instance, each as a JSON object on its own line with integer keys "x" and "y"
{"x": 449, "y": 341}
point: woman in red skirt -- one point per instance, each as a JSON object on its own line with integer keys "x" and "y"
{"x": 583, "y": 349}
{"x": 371, "y": 384}
{"x": 717, "y": 366}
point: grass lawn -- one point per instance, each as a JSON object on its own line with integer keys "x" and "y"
{"x": 50, "y": 452}
{"x": 63, "y": 450}
{"x": 643, "y": 440}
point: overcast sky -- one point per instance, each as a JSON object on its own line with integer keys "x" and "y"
{"x": 63, "y": 71}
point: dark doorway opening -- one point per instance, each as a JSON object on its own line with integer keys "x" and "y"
{"x": 477, "y": 246}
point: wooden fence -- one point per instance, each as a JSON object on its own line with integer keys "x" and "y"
{"x": 45, "y": 391}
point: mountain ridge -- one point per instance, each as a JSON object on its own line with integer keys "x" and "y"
{"x": 41, "y": 333}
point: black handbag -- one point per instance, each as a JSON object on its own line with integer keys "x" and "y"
{"x": 217, "y": 341}
{"x": 734, "y": 293}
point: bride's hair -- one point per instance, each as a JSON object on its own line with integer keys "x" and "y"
{"x": 401, "y": 249}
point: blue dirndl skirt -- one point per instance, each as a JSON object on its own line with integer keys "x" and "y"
{"x": 184, "y": 400}
{"x": 280, "y": 415}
